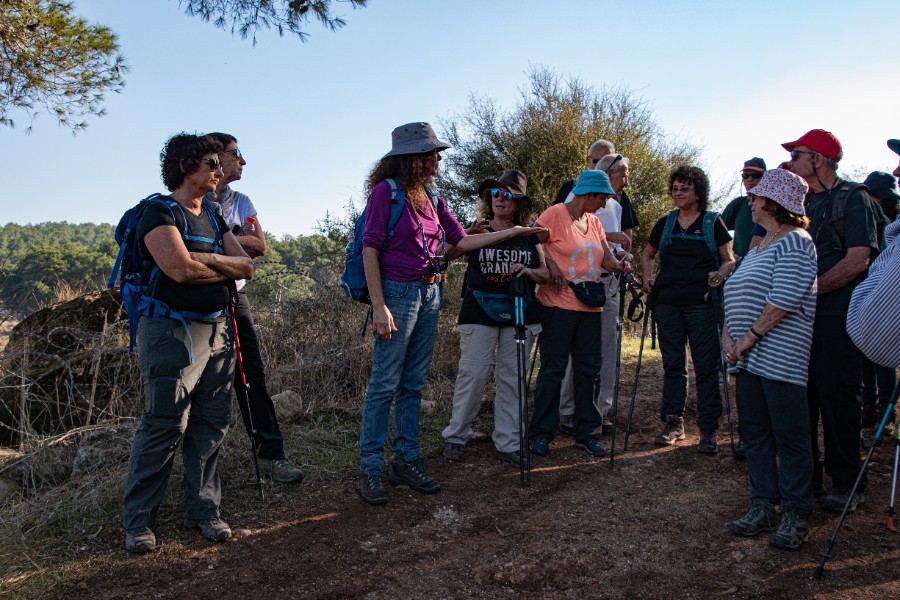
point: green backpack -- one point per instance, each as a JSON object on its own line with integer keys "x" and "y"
{"x": 707, "y": 235}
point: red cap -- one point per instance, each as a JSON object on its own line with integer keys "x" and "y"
{"x": 818, "y": 140}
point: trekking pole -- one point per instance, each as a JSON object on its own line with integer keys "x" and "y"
{"x": 829, "y": 543}
{"x": 890, "y": 511}
{"x": 719, "y": 311}
{"x": 615, "y": 407}
{"x": 519, "y": 291}
{"x": 637, "y": 370}
{"x": 243, "y": 400}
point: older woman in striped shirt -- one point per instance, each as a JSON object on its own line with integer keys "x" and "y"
{"x": 770, "y": 302}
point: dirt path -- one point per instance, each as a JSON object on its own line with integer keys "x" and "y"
{"x": 652, "y": 527}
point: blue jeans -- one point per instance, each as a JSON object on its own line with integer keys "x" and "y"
{"x": 399, "y": 370}
{"x": 677, "y": 326}
{"x": 568, "y": 332}
{"x": 775, "y": 429}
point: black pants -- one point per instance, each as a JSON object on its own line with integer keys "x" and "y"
{"x": 835, "y": 391}
{"x": 268, "y": 436}
{"x": 568, "y": 332}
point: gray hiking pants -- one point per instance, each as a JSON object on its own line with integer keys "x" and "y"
{"x": 183, "y": 403}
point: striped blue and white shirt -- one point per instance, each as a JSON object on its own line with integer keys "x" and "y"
{"x": 783, "y": 275}
{"x": 873, "y": 320}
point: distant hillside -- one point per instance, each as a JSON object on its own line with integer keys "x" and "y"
{"x": 44, "y": 263}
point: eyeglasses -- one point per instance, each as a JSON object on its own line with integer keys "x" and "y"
{"x": 795, "y": 154}
{"x": 615, "y": 160}
{"x": 236, "y": 152}
{"x": 495, "y": 193}
{"x": 214, "y": 164}
{"x": 751, "y": 176}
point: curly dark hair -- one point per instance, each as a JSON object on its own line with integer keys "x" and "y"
{"x": 783, "y": 215}
{"x": 181, "y": 156}
{"x": 522, "y": 216}
{"x": 409, "y": 169}
{"x": 696, "y": 176}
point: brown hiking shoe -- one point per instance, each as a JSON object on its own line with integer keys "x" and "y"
{"x": 140, "y": 540}
{"x": 672, "y": 432}
{"x": 214, "y": 530}
{"x": 280, "y": 470}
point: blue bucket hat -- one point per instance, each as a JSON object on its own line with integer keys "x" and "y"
{"x": 593, "y": 182}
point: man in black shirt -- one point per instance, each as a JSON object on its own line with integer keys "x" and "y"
{"x": 843, "y": 227}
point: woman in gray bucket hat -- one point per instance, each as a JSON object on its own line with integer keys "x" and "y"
{"x": 404, "y": 273}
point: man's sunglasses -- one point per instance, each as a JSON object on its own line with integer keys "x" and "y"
{"x": 214, "y": 164}
{"x": 495, "y": 193}
{"x": 795, "y": 154}
{"x": 236, "y": 152}
{"x": 615, "y": 160}
{"x": 751, "y": 176}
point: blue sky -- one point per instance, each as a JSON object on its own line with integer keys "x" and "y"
{"x": 735, "y": 78}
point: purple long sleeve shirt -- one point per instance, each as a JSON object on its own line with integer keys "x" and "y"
{"x": 404, "y": 258}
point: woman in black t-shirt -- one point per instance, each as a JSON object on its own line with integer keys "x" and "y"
{"x": 185, "y": 345}
{"x": 486, "y": 320}
{"x": 683, "y": 307}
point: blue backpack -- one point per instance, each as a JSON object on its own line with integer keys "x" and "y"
{"x": 353, "y": 279}
{"x": 128, "y": 262}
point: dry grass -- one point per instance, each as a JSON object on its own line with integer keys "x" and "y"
{"x": 54, "y": 526}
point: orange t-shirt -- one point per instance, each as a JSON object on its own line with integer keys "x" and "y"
{"x": 578, "y": 255}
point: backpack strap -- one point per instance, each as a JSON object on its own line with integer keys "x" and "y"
{"x": 709, "y": 235}
{"x": 835, "y": 211}
{"x": 398, "y": 203}
{"x": 669, "y": 225}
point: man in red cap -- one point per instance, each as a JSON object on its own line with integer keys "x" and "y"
{"x": 843, "y": 225}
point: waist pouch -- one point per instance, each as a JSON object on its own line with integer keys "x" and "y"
{"x": 499, "y": 307}
{"x": 590, "y": 293}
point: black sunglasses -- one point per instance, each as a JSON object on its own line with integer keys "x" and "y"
{"x": 615, "y": 160}
{"x": 751, "y": 176}
{"x": 236, "y": 152}
{"x": 213, "y": 163}
{"x": 495, "y": 193}
{"x": 795, "y": 154}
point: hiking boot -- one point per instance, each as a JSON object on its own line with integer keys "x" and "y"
{"x": 415, "y": 475}
{"x": 280, "y": 470}
{"x": 140, "y": 540}
{"x": 567, "y": 424}
{"x": 761, "y": 517}
{"x": 592, "y": 445}
{"x": 838, "y": 499}
{"x": 672, "y": 432}
{"x": 214, "y": 530}
{"x": 515, "y": 458}
{"x": 372, "y": 490}
{"x": 607, "y": 426}
{"x": 708, "y": 443}
{"x": 740, "y": 451}
{"x": 455, "y": 452}
{"x": 791, "y": 533}
{"x": 540, "y": 445}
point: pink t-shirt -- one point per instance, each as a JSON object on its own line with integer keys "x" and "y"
{"x": 578, "y": 255}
